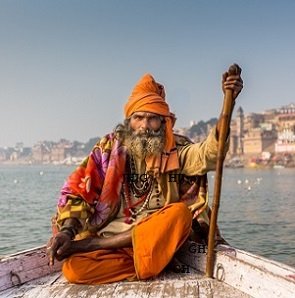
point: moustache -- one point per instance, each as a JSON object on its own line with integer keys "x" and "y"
{"x": 147, "y": 133}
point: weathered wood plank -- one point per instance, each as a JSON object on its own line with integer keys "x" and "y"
{"x": 184, "y": 287}
{"x": 131, "y": 289}
{"x": 266, "y": 264}
{"x": 249, "y": 273}
{"x": 22, "y": 267}
{"x": 168, "y": 284}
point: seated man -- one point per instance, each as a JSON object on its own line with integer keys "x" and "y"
{"x": 126, "y": 210}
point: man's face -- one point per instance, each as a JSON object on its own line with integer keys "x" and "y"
{"x": 140, "y": 122}
{"x": 145, "y": 134}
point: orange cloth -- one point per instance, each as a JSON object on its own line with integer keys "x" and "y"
{"x": 100, "y": 266}
{"x": 155, "y": 241}
{"x": 158, "y": 237}
{"x": 149, "y": 96}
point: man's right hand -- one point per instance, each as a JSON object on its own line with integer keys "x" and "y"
{"x": 58, "y": 247}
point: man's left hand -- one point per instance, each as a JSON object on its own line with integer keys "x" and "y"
{"x": 232, "y": 82}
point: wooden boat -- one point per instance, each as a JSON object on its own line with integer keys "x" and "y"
{"x": 237, "y": 273}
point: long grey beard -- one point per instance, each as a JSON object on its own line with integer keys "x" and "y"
{"x": 142, "y": 144}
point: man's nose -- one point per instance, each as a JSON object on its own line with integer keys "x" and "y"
{"x": 144, "y": 124}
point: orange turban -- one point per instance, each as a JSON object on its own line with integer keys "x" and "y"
{"x": 149, "y": 96}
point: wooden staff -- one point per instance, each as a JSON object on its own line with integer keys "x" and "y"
{"x": 225, "y": 119}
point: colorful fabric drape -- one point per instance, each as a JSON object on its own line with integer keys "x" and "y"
{"x": 97, "y": 183}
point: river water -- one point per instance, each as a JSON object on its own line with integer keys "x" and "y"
{"x": 256, "y": 211}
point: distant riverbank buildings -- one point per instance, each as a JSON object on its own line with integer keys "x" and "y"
{"x": 269, "y": 133}
{"x": 266, "y": 138}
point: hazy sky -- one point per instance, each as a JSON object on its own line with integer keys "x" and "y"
{"x": 68, "y": 67}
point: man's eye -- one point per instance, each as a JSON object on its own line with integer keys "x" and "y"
{"x": 154, "y": 118}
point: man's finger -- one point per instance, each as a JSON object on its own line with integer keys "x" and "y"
{"x": 61, "y": 250}
{"x": 54, "y": 245}
{"x": 51, "y": 250}
{"x": 50, "y": 255}
{"x": 224, "y": 76}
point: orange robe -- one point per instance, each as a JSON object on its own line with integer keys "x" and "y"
{"x": 155, "y": 240}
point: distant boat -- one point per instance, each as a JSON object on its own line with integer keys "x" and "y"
{"x": 278, "y": 167}
{"x": 234, "y": 163}
{"x": 237, "y": 273}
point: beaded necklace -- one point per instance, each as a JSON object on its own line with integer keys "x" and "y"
{"x": 141, "y": 193}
